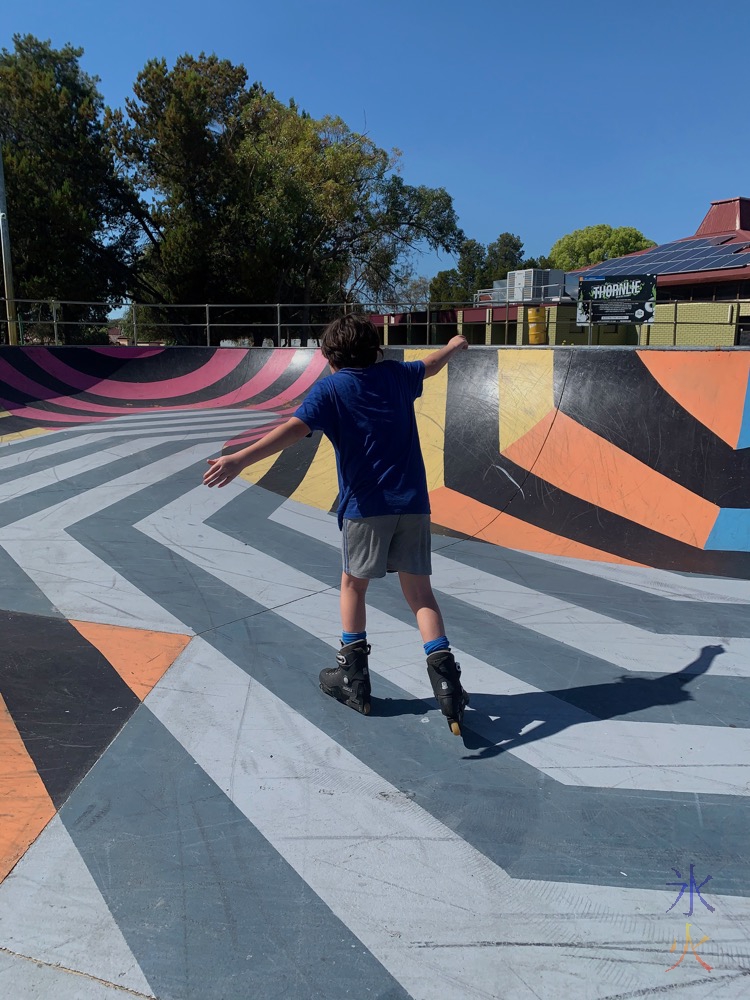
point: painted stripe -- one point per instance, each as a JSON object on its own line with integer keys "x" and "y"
{"x": 221, "y": 364}
{"x": 20, "y": 435}
{"x": 744, "y": 435}
{"x": 298, "y": 388}
{"x": 731, "y": 533}
{"x": 626, "y": 646}
{"x": 319, "y": 487}
{"x": 525, "y": 393}
{"x": 128, "y": 352}
{"x": 273, "y": 368}
{"x": 430, "y": 410}
{"x": 139, "y": 656}
{"x": 661, "y": 582}
{"x": 372, "y": 821}
{"x": 25, "y": 804}
{"x": 313, "y": 607}
{"x": 95, "y": 592}
{"x": 621, "y": 484}
{"x": 66, "y": 700}
{"x": 52, "y": 914}
{"x": 711, "y": 385}
{"x": 477, "y": 520}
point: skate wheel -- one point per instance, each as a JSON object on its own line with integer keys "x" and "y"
{"x": 455, "y": 728}
{"x": 366, "y": 708}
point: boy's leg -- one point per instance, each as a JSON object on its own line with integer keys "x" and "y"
{"x": 442, "y": 669}
{"x": 353, "y": 607}
{"x": 349, "y": 681}
{"x": 417, "y": 590}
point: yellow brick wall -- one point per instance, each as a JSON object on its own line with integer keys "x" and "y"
{"x": 698, "y": 324}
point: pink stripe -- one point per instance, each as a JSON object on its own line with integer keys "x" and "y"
{"x": 95, "y": 412}
{"x": 297, "y": 388}
{"x": 220, "y": 365}
{"x": 274, "y": 367}
{"x": 129, "y": 352}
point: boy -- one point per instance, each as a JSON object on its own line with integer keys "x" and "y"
{"x": 366, "y": 409}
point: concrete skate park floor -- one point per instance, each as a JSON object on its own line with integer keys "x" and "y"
{"x": 206, "y": 824}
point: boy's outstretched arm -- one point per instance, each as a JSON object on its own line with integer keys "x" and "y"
{"x": 223, "y": 470}
{"x": 435, "y": 362}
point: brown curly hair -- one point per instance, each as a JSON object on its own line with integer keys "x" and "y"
{"x": 351, "y": 341}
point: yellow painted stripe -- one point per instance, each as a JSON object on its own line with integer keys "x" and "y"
{"x": 320, "y": 485}
{"x": 31, "y": 432}
{"x": 4, "y": 413}
{"x": 255, "y": 472}
{"x": 430, "y": 409}
{"x": 526, "y": 391}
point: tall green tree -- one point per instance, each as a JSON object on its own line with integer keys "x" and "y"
{"x": 69, "y": 213}
{"x": 594, "y": 244}
{"x": 250, "y": 199}
{"x": 478, "y": 266}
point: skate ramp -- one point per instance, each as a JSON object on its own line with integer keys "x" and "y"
{"x": 615, "y": 455}
{"x": 186, "y": 815}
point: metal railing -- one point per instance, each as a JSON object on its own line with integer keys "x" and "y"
{"x": 211, "y": 324}
{"x": 677, "y": 323}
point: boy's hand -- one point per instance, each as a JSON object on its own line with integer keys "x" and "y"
{"x": 223, "y": 470}
{"x": 458, "y": 343}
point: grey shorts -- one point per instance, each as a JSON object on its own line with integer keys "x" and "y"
{"x": 389, "y": 543}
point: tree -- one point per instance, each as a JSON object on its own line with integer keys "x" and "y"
{"x": 68, "y": 211}
{"x": 478, "y": 266}
{"x": 594, "y": 244}
{"x": 249, "y": 199}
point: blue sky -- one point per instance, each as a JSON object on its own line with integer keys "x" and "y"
{"x": 538, "y": 118}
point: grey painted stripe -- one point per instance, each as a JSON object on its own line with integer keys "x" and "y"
{"x": 48, "y": 455}
{"x": 536, "y": 823}
{"x": 33, "y": 503}
{"x": 629, "y": 647}
{"x": 277, "y": 767}
{"x": 653, "y": 611}
{"x": 577, "y": 677}
{"x": 206, "y": 905}
{"x": 673, "y": 585}
{"x": 91, "y": 590}
{"x": 22, "y": 978}
{"x": 52, "y": 912}
{"x": 590, "y": 683}
{"x": 18, "y": 592}
{"x": 622, "y": 753}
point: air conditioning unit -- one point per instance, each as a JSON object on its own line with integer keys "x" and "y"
{"x": 535, "y": 285}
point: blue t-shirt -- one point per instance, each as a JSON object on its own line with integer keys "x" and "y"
{"x": 368, "y": 415}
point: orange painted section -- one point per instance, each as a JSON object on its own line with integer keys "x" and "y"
{"x": 140, "y": 657}
{"x": 525, "y": 451}
{"x": 25, "y": 805}
{"x": 580, "y": 462}
{"x": 454, "y": 510}
{"x": 711, "y": 385}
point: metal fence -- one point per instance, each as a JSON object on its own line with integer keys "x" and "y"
{"x": 212, "y": 324}
{"x": 699, "y": 324}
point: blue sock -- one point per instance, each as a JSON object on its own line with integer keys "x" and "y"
{"x": 347, "y": 637}
{"x": 435, "y": 644}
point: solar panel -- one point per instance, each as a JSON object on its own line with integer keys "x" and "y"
{"x": 704, "y": 254}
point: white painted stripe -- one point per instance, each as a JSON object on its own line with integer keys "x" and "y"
{"x": 626, "y": 646}
{"x": 76, "y": 581}
{"x": 443, "y": 919}
{"x": 187, "y": 429}
{"x": 661, "y": 582}
{"x": 52, "y": 911}
{"x": 596, "y": 753}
